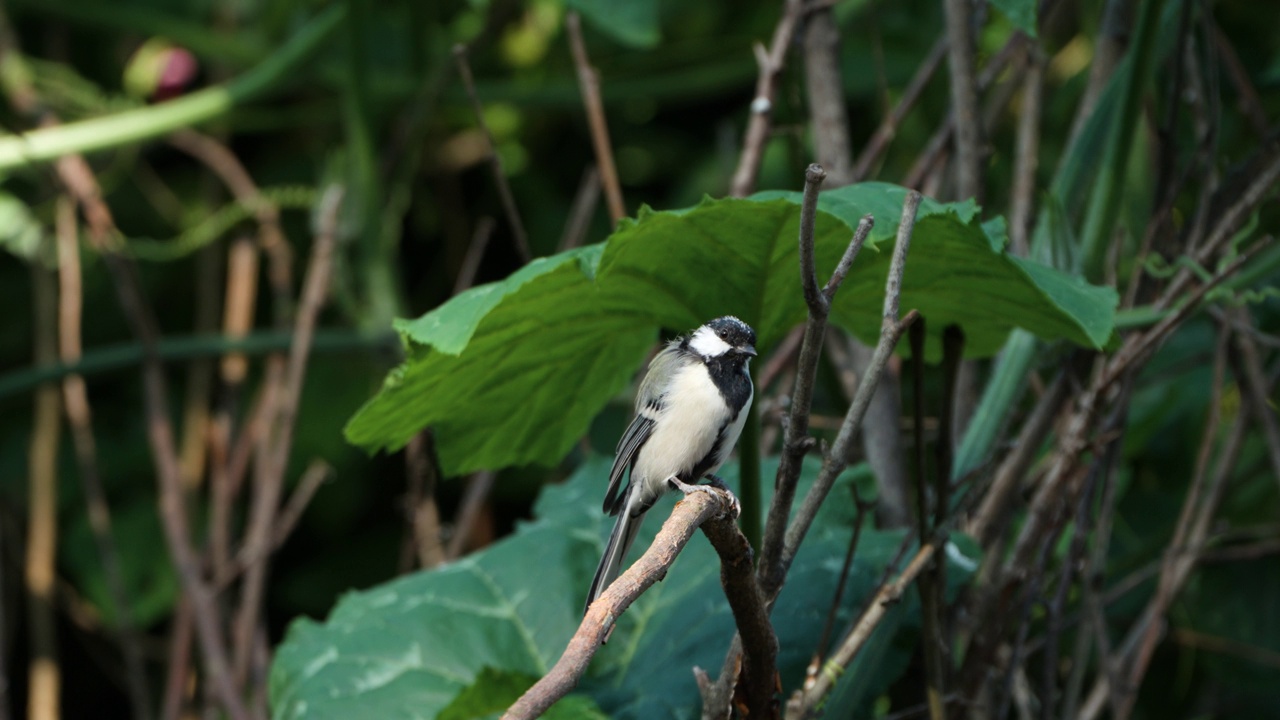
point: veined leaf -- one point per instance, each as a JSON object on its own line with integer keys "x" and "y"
{"x": 419, "y": 644}
{"x": 513, "y": 372}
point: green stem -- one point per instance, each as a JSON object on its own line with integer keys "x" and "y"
{"x": 137, "y": 125}
{"x": 178, "y": 349}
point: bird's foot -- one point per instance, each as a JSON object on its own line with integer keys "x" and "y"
{"x": 717, "y": 489}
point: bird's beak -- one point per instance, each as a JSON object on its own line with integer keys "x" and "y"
{"x": 747, "y": 350}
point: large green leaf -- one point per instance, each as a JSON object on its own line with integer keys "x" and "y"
{"x": 411, "y": 647}
{"x": 513, "y": 372}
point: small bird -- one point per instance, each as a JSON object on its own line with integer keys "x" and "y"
{"x": 690, "y": 410}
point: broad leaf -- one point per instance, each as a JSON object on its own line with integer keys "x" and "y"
{"x": 513, "y": 372}
{"x": 412, "y": 647}
{"x": 494, "y": 691}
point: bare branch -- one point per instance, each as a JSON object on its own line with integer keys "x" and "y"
{"x": 888, "y": 127}
{"x": 695, "y": 510}
{"x": 757, "y": 134}
{"x": 964, "y": 99}
{"x": 589, "y": 83}
{"x": 512, "y": 212}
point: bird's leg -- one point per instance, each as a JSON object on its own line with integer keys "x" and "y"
{"x": 735, "y": 508}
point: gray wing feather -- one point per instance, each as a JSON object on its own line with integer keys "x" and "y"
{"x": 649, "y": 402}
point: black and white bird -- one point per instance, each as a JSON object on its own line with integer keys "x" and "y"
{"x": 690, "y": 410}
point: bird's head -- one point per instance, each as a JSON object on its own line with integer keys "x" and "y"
{"x": 724, "y": 338}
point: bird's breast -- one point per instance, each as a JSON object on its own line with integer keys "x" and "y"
{"x": 685, "y": 429}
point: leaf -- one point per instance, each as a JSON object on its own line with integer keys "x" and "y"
{"x": 411, "y": 647}
{"x": 513, "y": 372}
{"x": 1022, "y": 13}
{"x": 630, "y": 22}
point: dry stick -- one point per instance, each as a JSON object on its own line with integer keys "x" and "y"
{"x": 861, "y": 632}
{"x": 1061, "y": 482}
{"x": 757, "y": 134}
{"x": 1026, "y": 158}
{"x": 930, "y": 600}
{"x": 581, "y": 210}
{"x": 986, "y": 522}
{"x": 1250, "y": 372}
{"x": 829, "y": 118}
{"x": 797, "y": 441}
{"x": 44, "y": 679}
{"x": 888, "y": 127}
{"x": 473, "y": 499}
{"x": 316, "y": 474}
{"x": 277, "y": 438}
{"x": 860, "y": 514}
{"x": 698, "y": 509}
{"x": 79, "y": 180}
{"x": 80, "y": 418}
{"x": 175, "y": 685}
{"x": 518, "y": 234}
{"x": 589, "y": 84}
{"x": 1226, "y": 646}
{"x": 964, "y": 99}
{"x": 880, "y": 439}
{"x": 475, "y": 253}
{"x": 891, "y": 329}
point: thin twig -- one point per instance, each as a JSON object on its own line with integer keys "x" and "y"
{"x": 888, "y": 127}
{"x": 757, "y": 134}
{"x": 581, "y": 210}
{"x": 475, "y": 253}
{"x": 1026, "y": 160}
{"x": 44, "y": 678}
{"x": 1250, "y": 102}
{"x": 518, "y": 234}
{"x": 1249, "y": 370}
{"x": 469, "y": 513}
{"x": 887, "y": 596}
{"x": 797, "y": 441}
{"x": 688, "y": 515}
{"x": 891, "y": 329}
{"x": 277, "y": 438}
{"x": 825, "y": 90}
{"x": 80, "y": 418}
{"x": 964, "y": 99}
{"x": 589, "y": 84}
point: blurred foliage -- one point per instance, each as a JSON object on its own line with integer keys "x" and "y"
{"x": 378, "y": 103}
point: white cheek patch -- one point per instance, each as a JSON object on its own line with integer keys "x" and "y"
{"x": 707, "y": 343}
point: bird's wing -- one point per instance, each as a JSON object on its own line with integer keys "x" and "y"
{"x": 649, "y": 402}
{"x": 628, "y": 446}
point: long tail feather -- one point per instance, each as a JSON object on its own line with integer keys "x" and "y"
{"x": 620, "y": 541}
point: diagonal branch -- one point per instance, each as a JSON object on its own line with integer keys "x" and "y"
{"x": 771, "y": 63}
{"x": 709, "y": 510}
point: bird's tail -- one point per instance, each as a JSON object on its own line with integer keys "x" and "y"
{"x": 620, "y": 540}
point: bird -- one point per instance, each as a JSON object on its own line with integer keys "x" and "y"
{"x": 689, "y": 411}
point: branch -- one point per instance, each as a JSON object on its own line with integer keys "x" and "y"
{"x": 797, "y": 441}
{"x": 518, "y": 233}
{"x": 888, "y": 127}
{"x": 891, "y": 329}
{"x": 964, "y": 99}
{"x": 757, "y": 134}
{"x": 888, "y": 595}
{"x": 699, "y": 509}
{"x": 589, "y": 83}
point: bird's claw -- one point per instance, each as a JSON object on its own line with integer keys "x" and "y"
{"x": 714, "y": 484}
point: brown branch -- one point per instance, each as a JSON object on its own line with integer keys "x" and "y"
{"x": 581, "y": 210}
{"x": 277, "y": 438}
{"x": 80, "y": 418}
{"x": 475, "y": 253}
{"x": 825, "y": 91}
{"x": 1250, "y": 103}
{"x": 696, "y": 510}
{"x": 469, "y": 513}
{"x": 176, "y": 681}
{"x": 1026, "y": 154}
{"x": 518, "y": 233}
{"x": 1249, "y": 370}
{"x": 891, "y": 329}
{"x": 888, "y": 595}
{"x": 964, "y": 99}
{"x": 589, "y": 84}
{"x": 422, "y": 539}
{"x": 888, "y": 127}
{"x": 796, "y": 440}
{"x": 757, "y": 133}
{"x": 76, "y": 175}
{"x": 44, "y": 678}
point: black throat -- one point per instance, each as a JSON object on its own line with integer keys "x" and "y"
{"x": 730, "y": 375}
